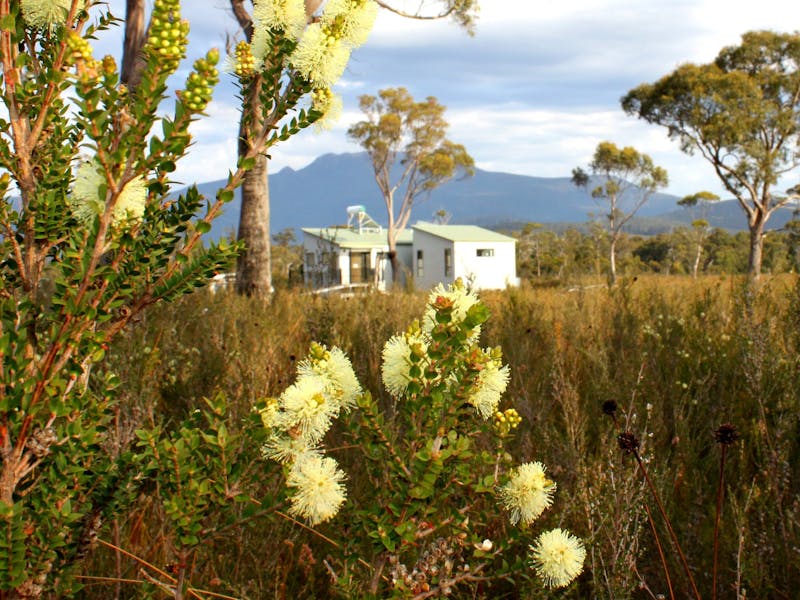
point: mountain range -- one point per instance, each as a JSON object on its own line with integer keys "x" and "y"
{"x": 319, "y": 194}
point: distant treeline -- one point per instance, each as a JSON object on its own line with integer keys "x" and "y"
{"x": 575, "y": 251}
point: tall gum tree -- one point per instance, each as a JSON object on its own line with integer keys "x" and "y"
{"x": 742, "y": 114}
{"x": 627, "y": 180}
{"x": 254, "y": 268}
{"x": 401, "y": 132}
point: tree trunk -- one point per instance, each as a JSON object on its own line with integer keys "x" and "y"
{"x": 254, "y": 265}
{"x": 698, "y": 254}
{"x": 612, "y": 257}
{"x": 135, "y": 37}
{"x": 756, "y": 247}
{"x": 395, "y": 265}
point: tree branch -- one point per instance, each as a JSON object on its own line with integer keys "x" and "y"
{"x": 385, "y": 5}
{"x": 243, "y": 18}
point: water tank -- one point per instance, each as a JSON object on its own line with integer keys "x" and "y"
{"x": 355, "y": 209}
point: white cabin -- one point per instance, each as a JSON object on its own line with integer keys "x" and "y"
{"x": 342, "y": 256}
{"x": 482, "y": 258}
{"x": 356, "y": 254}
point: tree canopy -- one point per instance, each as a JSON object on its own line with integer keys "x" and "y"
{"x": 742, "y": 114}
{"x": 399, "y": 131}
{"x": 627, "y": 179}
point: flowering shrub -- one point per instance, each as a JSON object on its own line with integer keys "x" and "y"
{"x": 446, "y": 507}
{"x": 91, "y": 234}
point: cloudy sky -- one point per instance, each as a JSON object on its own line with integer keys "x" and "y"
{"x": 533, "y": 92}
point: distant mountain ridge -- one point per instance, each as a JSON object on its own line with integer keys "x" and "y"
{"x": 318, "y": 195}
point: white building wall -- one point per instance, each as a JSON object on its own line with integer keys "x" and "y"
{"x": 486, "y": 272}
{"x": 319, "y": 275}
{"x": 318, "y": 272}
{"x": 432, "y": 248}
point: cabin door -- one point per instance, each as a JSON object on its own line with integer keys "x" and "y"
{"x": 359, "y": 263}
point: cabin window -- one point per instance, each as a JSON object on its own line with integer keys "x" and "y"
{"x": 448, "y": 262}
{"x": 484, "y": 252}
{"x": 310, "y": 259}
{"x": 420, "y": 264}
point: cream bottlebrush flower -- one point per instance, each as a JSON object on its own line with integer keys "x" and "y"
{"x": 396, "y": 366}
{"x": 335, "y": 369}
{"x": 558, "y": 557}
{"x": 492, "y": 383}
{"x": 285, "y": 449}
{"x": 320, "y": 57}
{"x": 269, "y": 414}
{"x": 318, "y": 490}
{"x": 287, "y": 16}
{"x": 527, "y": 493}
{"x": 87, "y": 203}
{"x": 306, "y": 409}
{"x": 329, "y": 104}
{"x": 44, "y": 13}
{"x": 462, "y": 299}
{"x": 351, "y": 19}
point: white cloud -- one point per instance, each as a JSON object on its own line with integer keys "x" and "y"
{"x": 532, "y": 93}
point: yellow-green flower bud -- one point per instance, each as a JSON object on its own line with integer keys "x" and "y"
{"x": 168, "y": 35}
{"x": 201, "y": 81}
{"x": 244, "y": 61}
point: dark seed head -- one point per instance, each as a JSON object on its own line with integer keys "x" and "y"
{"x": 726, "y": 434}
{"x": 610, "y": 407}
{"x": 628, "y": 442}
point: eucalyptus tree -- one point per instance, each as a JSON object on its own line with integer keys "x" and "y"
{"x": 627, "y": 179}
{"x": 401, "y": 132}
{"x": 742, "y": 114}
{"x": 700, "y": 225}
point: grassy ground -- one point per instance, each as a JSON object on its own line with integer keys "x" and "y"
{"x": 679, "y": 357}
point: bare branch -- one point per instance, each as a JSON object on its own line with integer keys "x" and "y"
{"x": 450, "y": 8}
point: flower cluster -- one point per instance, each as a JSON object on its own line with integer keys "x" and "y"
{"x": 80, "y": 55}
{"x": 89, "y": 196}
{"x": 400, "y": 354}
{"x": 457, "y": 300}
{"x": 557, "y": 555}
{"x": 329, "y": 104}
{"x": 201, "y": 82}
{"x": 323, "y": 51}
{"x": 297, "y": 421}
{"x": 285, "y": 17}
{"x": 320, "y": 47}
{"x": 317, "y": 484}
{"x": 46, "y": 13}
{"x": 79, "y": 49}
{"x": 244, "y": 63}
{"x": 505, "y": 421}
{"x": 527, "y": 493}
{"x": 492, "y": 382}
{"x": 168, "y": 35}
{"x": 411, "y": 358}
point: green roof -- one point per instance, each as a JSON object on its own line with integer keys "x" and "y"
{"x": 462, "y": 233}
{"x": 351, "y": 238}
